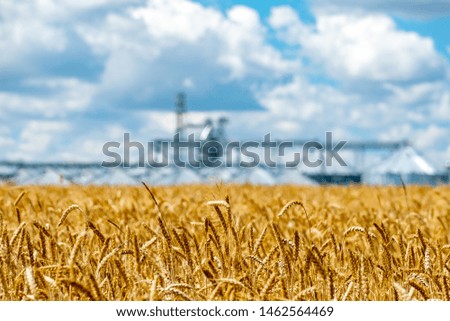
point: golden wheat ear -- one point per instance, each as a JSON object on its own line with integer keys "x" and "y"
{"x": 66, "y": 213}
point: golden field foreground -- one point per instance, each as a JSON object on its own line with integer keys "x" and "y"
{"x": 224, "y": 242}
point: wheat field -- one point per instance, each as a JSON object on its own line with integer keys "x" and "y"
{"x": 224, "y": 242}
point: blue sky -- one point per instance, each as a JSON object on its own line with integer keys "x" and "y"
{"x": 74, "y": 75}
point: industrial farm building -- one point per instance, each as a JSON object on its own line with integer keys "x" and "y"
{"x": 395, "y": 163}
{"x": 404, "y": 165}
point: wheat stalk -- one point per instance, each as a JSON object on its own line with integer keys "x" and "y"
{"x": 66, "y": 213}
{"x": 76, "y": 248}
{"x": 31, "y": 281}
{"x": 354, "y": 229}
{"x": 16, "y": 234}
{"x": 96, "y": 231}
{"x": 107, "y": 258}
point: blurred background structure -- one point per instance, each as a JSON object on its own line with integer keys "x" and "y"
{"x": 75, "y": 75}
{"x": 400, "y": 163}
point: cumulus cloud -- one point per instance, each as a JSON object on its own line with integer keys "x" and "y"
{"x": 6, "y": 140}
{"x": 25, "y": 33}
{"x": 441, "y": 107}
{"x": 58, "y": 97}
{"x": 175, "y": 41}
{"x": 430, "y": 136}
{"x": 362, "y": 47}
{"x": 36, "y": 139}
{"x": 371, "y": 48}
{"x": 286, "y": 21}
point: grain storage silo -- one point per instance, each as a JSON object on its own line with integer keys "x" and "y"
{"x": 403, "y": 165}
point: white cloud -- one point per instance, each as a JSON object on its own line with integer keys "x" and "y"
{"x": 37, "y": 32}
{"x": 188, "y": 83}
{"x": 286, "y": 21}
{"x": 28, "y": 30}
{"x": 414, "y": 93}
{"x": 422, "y": 102}
{"x": 433, "y": 135}
{"x": 178, "y": 39}
{"x": 441, "y": 110}
{"x": 446, "y": 157}
{"x": 67, "y": 95}
{"x": 6, "y": 141}
{"x": 396, "y": 133}
{"x": 283, "y": 17}
{"x": 25, "y": 33}
{"x": 302, "y": 100}
{"x": 162, "y": 124}
{"x": 367, "y": 47}
{"x": 178, "y": 20}
{"x": 245, "y": 50}
{"x": 36, "y": 138}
